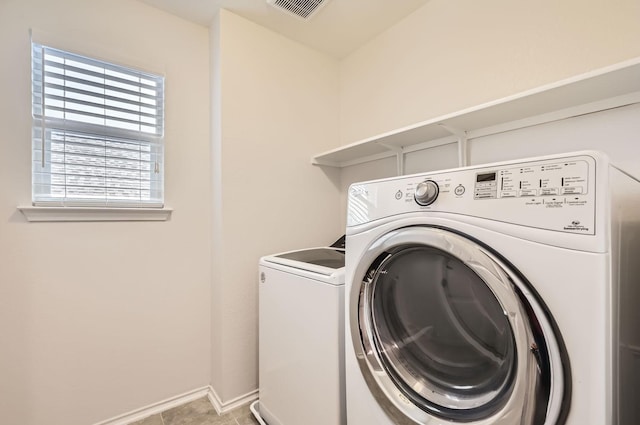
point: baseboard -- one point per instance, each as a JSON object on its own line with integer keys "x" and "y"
{"x": 161, "y": 406}
{"x": 223, "y": 407}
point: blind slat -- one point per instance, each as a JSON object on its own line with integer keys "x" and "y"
{"x": 62, "y": 55}
{"x": 100, "y": 75}
{"x": 103, "y": 176}
{"x": 89, "y": 129}
{"x": 54, "y": 86}
{"x": 100, "y": 105}
{"x": 102, "y": 86}
{"x": 105, "y": 117}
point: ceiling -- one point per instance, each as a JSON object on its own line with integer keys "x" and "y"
{"x": 338, "y": 28}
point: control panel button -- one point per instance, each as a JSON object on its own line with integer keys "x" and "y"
{"x": 528, "y": 192}
{"x": 426, "y": 192}
{"x": 550, "y": 191}
{"x": 459, "y": 190}
{"x": 508, "y": 194}
{"x": 576, "y": 190}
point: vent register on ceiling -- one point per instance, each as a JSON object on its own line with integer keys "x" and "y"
{"x": 97, "y": 132}
{"x": 304, "y": 9}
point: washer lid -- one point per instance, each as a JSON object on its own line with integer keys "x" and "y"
{"x": 326, "y": 261}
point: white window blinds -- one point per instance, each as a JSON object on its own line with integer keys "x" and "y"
{"x": 97, "y": 132}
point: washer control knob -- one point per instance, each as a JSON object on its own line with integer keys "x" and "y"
{"x": 426, "y": 192}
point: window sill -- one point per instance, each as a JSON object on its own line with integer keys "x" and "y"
{"x": 32, "y": 213}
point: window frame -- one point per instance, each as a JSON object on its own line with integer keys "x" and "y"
{"x": 103, "y": 209}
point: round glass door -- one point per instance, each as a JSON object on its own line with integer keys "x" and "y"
{"x": 442, "y": 334}
{"x": 441, "y": 328}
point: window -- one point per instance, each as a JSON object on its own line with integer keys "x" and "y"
{"x": 97, "y": 132}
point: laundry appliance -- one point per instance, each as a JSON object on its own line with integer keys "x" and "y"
{"x": 301, "y": 337}
{"x": 497, "y": 294}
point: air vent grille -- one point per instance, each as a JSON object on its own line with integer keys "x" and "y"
{"x": 301, "y": 8}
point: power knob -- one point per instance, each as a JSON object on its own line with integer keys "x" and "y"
{"x": 426, "y": 192}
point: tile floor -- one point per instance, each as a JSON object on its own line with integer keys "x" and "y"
{"x": 200, "y": 412}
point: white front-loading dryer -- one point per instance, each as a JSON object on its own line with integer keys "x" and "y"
{"x": 495, "y": 295}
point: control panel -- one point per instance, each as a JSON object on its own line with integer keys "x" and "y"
{"x": 554, "y": 193}
{"x": 548, "y": 179}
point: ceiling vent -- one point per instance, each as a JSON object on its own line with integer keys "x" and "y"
{"x": 304, "y": 9}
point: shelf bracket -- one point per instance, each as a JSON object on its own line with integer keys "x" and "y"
{"x": 399, "y": 157}
{"x": 463, "y": 155}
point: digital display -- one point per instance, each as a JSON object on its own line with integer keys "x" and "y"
{"x": 487, "y": 177}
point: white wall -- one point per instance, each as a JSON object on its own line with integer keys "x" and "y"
{"x": 275, "y": 105}
{"x": 450, "y": 55}
{"x": 97, "y": 319}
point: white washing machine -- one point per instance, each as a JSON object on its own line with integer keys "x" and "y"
{"x": 301, "y": 342}
{"x": 499, "y": 294}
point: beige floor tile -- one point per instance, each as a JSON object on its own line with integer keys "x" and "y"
{"x": 151, "y": 420}
{"x": 241, "y": 411}
{"x": 247, "y": 420}
{"x": 198, "y": 412}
